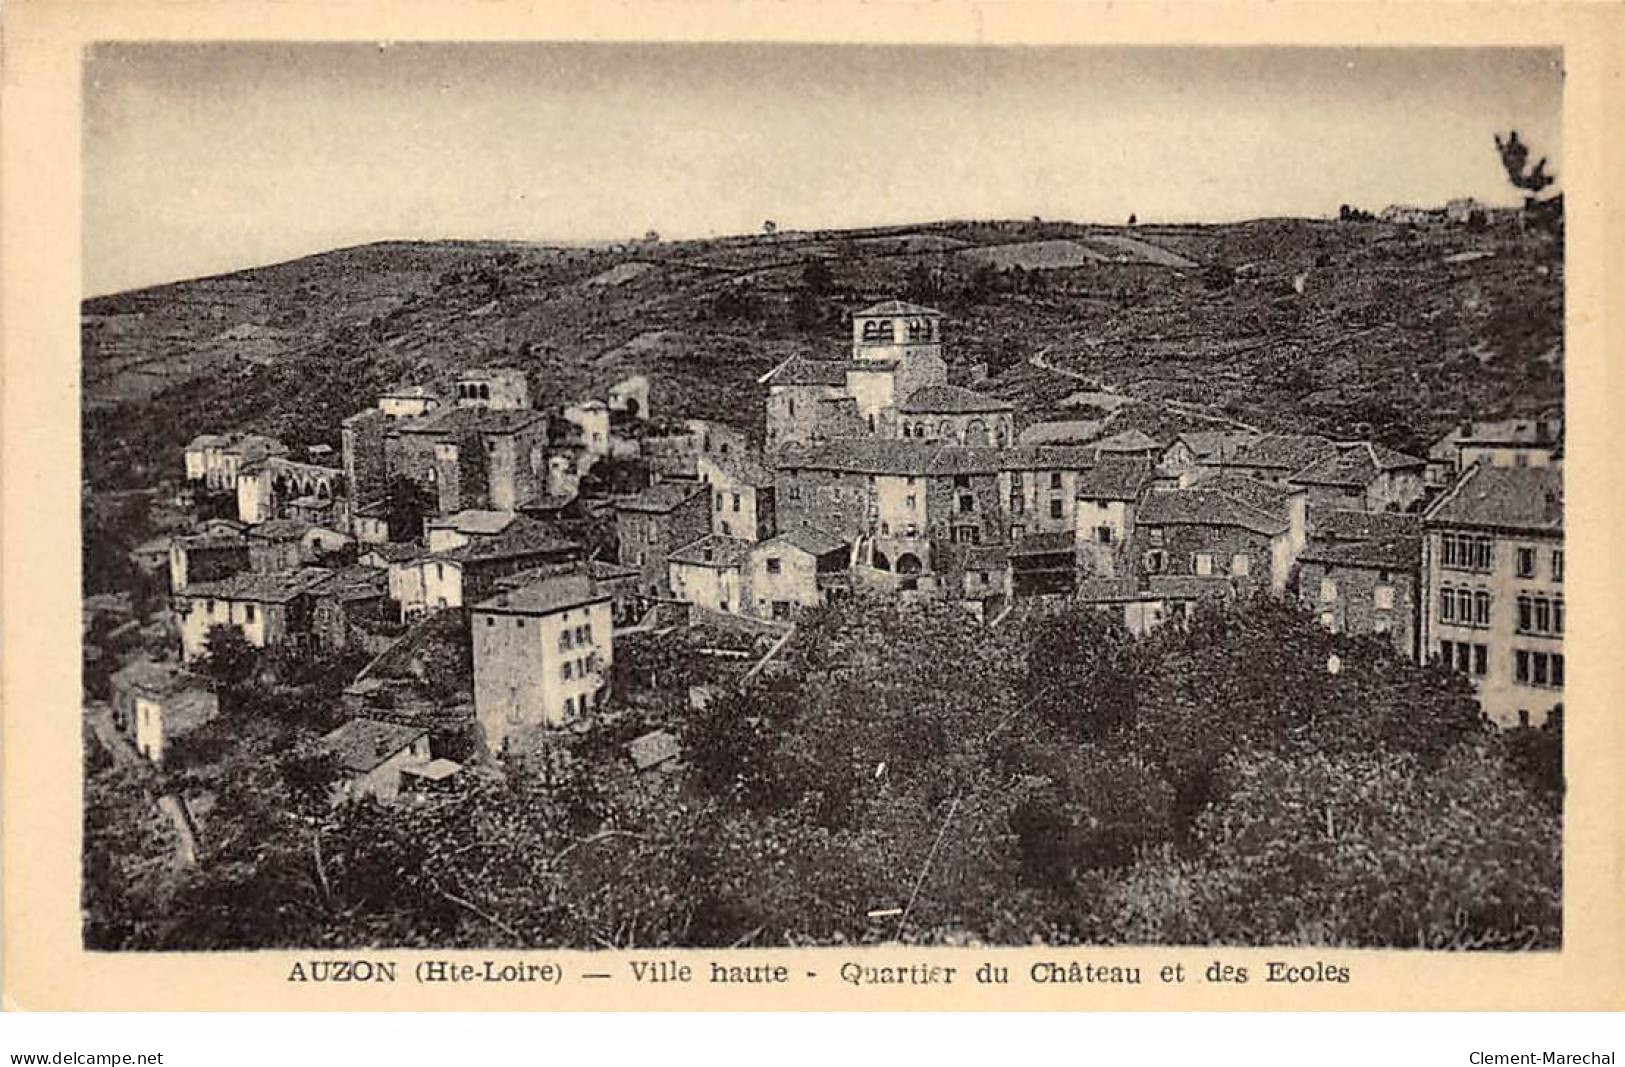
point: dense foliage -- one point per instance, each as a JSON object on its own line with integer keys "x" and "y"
{"x": 1244, "y": 778}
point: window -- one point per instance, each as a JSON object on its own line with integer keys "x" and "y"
{"x": 773, "y": 565}
{"x": 1328, "y": 590}
{"x": 489, "y": 621}
{"x": 1520, "y": 662}
{"x": 1103, "y": 534}
{"x": 1526, "y": 563}
{"x": 248, "y": 612}
{"x": 961, "y": 481}
{"x": 569, "y": 707}
{"x": 1383, "y": 597}
{"x": 1055, "y": 480}
{"x": 1241, "y": 565}
{"x": 1481, "y": 660}
{"x": 1464, "y": 552}
{"x": 911, "y": 501}
{"x": 967, "y": 503}
{"x": 1523, "y": 716}
{"x": 1481, "y": 608}
{"x": 719, "y": 501}
{"x": 1015, "y": 504}
{"x": 650, "y": 536}
{"x": 439, "y": 572}
{"x": 565, "y": 642}
{"x": 1463, "y": 656}
{"x": 569, "y": 667}
{"x": 1447, "y": 604}
{"x": 1557, "y": 669}
{"x": 1526, "y": 614}
{"x": 736, "y": 502}
{"x": 1538, "y": 668}
{"x": 1543, "y": 615}
{"x": 1054, "y": 509}
{"x": 1155, "y": 536}
{"x": 1202, "y": 564}
{"x": 1557, "y": 564}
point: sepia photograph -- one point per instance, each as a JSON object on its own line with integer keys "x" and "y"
{"x": 741, "y": 495}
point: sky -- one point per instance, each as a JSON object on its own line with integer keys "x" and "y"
{"x": 204, "y": 158}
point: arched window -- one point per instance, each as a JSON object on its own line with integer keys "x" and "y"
{"x": 918, "y": 331}
{"x": 881, "y": 562}
{"x": 909, "y": 563}
{"x": 976, "y": 432}
{"x": 879, "y": 331}
{"x": 945, "y": 428}
{"x": 485, "y": 391}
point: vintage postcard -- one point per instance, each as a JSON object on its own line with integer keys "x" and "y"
{"x": 880, "y": 506}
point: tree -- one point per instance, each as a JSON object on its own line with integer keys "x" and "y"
{"x": 228, "y": 659}
{"x": 1515, "y": 158}
{"x": 406, "y": 503}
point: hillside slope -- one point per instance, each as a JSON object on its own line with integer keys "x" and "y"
{"x": 1352, "y": 328}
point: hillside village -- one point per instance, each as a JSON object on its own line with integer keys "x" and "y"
{"x": 477, "y": 571}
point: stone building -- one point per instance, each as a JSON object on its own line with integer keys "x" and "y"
{"x": 542, "y": 655}
{"x": 1272, "y": 458}
{"x": 1040, "y": 486}
{"x": 470, "y": 571}
{"x": 155, "y": 703}
{"x": 1107, "y": 498}
{"x": 268, "y": 609}
{"x": 493, "y": 389}
{"x": 471, "y": 457}
{"x": 797, "y": 569}
{"x": 742, "y": 496}
{"x": 214, "y": 460}
{"x": 710, "y": 572}
{"x": 1518, "y": 442}
{"x": 407, "y": 402}
{"x": 1492, "y": 575}
{"x": 657, "y": 521}
{"x": 956, "y": 415}
{"x": 1363, "y": 476}
{"x": 909, "y": 336}
{"x": 1370, "y": 587}
{"x": 373, "y": 757}
{"x": 1228, "y": 526}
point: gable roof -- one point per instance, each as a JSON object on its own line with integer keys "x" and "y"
{"x": 523, "y": 537}
{"x": 1062, "y": 432}
{"x": 154, "y": 678}
{"x": 546, "y": 595}
{"x": 660, "y": 497}
{"x": 872, "y": 455}
{"x": 951, "y": 400}
{"x": 1519, "y": 498}
{"x": 1129, "y": 441}
{"x": 740, "y": 468}
{"x": 450, "y": 422}
{"x": 713, "y": 550}
{"x": 361, "y": 745}
{"x": 1207, "y": 444}
{"x": 1340, "y": 524}
{"x": 474, "y": 521}
{"x": 1278, "y": 451}
{"x": 799, "y": 370}
{"x": 1389, "y": 553}
{"x": 809, "y": 539}
{"x": 1116, "y": 477}
{"x": 1048, "y": 458}
{"x": 896, "y": 307}
{"x": 652, "y": 749}
{"x": 278, "y": 588}
{"x": 1220, "y": 502}
{"x": 1357, "y": 464}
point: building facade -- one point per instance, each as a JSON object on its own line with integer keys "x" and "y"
{"x": 542, "y": 655}
{"x": 1492, "y": 564}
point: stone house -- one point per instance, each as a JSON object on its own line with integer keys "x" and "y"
{"x": 493, "y": 389}
{"x": 1492, "y": 576}
{"x": 795, "y": 570}
{"x": 268, "y": 609}
{"x": 655, "y": 522}
{"x": 373, "y": 756}
{"x": 542, "y": 655}
{"x": 1108, "y": 496}
{"x": 470, "y": 571}
{"x": 711, "y": 573}
{"x": 1272, "y": 458}
{"x": 1519, "y": 442}
{"x": 742, "y": 496}
{"x": 206, "y": 558}
{"x": 155, "y": 703}
{"x": 471, "y": 457}
{"x": 1040, "y": 483}
{"x": 214, "y": 460}
{"x": 1228, "y": 526}
{"x": 1143, "y": 603}
{"x": 1365, "y": 587}
{"x": 1363, "y": 476}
